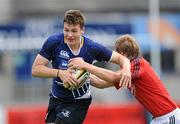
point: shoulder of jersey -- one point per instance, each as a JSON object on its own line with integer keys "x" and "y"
{"x": 88, "y": 41}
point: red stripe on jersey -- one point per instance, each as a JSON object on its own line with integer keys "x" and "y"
{"x": 135, "y": 67}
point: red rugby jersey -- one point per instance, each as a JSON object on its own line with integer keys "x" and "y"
{"x": 149, "y": 89}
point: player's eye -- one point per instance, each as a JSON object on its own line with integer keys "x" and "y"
{"x": 74, "y": 31}
{"x": 66, "y": 30}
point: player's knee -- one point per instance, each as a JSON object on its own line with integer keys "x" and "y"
{"x": 60, "y": 121}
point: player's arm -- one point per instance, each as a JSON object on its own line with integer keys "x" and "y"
{"x": 123, "y": 76}
{"x": 102, "y": 73}
{"x": 40, "y": 69}
{"x": 125, "y": 73}
{"x": 99, "y": 83}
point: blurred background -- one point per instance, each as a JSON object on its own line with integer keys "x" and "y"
{"x": 25, "y": 25}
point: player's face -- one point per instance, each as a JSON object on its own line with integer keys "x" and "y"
{"x": 72, "y": 34}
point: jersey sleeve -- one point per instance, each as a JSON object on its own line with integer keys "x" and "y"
{"x": 100, "y": 52}
{"x": 137, "y": 68}
{"x": 47, "y": 49}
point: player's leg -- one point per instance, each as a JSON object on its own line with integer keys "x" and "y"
{"x": 65, "y": 113}
{"x": 51, "y": 113}
{"x": 50, "y": 118}
{"x": 177, "y": 116}
{"x": 60, "y": 121}
{"x": 72, "y": 112}
{"x": 81, "y": 111}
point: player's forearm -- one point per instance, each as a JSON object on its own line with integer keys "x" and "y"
{"x": 43, "y": 71}
{"x": 99, "y": 83}
{"x": 104, "y": 74}
{"x": 125, "y": 65}
{"x": 121, "y": 60}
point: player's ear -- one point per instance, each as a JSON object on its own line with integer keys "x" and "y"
{"x": 83, "y": 30}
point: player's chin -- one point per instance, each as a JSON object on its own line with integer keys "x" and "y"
{"x": 71, "y": 41}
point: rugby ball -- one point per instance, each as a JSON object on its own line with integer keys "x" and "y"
{"x": 81, "y": 75}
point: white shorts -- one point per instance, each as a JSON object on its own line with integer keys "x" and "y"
{"x": 170, "y": 118}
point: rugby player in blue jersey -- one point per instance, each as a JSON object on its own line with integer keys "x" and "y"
{"x": 71, "y": 106}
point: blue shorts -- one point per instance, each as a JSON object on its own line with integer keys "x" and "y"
{"x": 70, "y": 111}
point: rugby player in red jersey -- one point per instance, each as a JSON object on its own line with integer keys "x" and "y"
{"x": 146, "y": 86}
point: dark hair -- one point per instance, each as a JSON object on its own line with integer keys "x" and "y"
{"x": 74, "y": 17}
{"x": 126, "y": 44}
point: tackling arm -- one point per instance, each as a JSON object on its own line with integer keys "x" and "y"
{"x": 125, "y": 71}
{"x": 102, "y": 73}
{"x": 123, "y": 76}
{"x": 99, "y": 83}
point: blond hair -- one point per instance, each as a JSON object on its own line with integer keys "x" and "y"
{"x": 127, "y": 45}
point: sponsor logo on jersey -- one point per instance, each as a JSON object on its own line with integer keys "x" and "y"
{"x": 63, "y": 64}
{"x": 64, "y": 54}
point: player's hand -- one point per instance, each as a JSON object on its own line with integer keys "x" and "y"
{"x": 67, "y": 78}
{"x": 125, "y": 78}
{"x": 77, "y": 63}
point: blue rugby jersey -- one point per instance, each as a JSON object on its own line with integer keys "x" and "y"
{"x": 59, "y": 53}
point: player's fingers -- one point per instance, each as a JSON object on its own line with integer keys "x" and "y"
{"x": 71, "y": 70}
{"x": 132, "y": 90}
{"x": 69, "y": 82}
{"x": 73, "y": 82}
{"x": 70, "y": 65}
{"x": 71, "y": 60}
{"x": 71, "y": 88}
{"x": 80, "y": 80}
{"x": 66, "y": 85}
{"x": 121, "y": 81}
{"x": 125, "y": 82}
{"x": 129, "y": 82}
